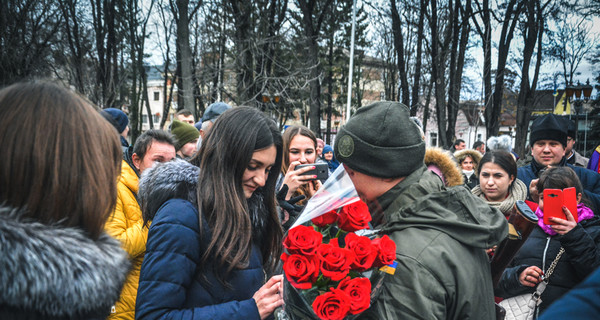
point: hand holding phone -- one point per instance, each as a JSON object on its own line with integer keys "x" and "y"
{"x": 321, "y": 170}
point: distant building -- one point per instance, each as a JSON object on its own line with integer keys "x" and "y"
{"x": 156, "y": 98}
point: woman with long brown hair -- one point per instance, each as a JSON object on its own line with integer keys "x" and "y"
{"x": 299, "y": 147}
{"x": 58, "y": 183}
{"x": 215, "y": 233}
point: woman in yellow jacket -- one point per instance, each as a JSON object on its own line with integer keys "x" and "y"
{"x": 126, "y": 223}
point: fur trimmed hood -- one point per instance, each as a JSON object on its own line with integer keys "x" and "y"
{"x": 52, "y": 271}
{"x": 164, "y": 181}
{"x": 442, "y": 160}
{"x": 474, "y": 154}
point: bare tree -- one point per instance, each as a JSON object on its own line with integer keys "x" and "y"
{"x": 107, "y": 32}
{"x": 77, "y": 42}
{"x": 441, "y": 38}
{"x": 313, "y": 12}
{"x": 165, "y": 27}
{"x": 182, "y": 14}
{"x": 460, "y": 39}
{"x": 512, "y": 12}
{"x": 571, "y": 41}
{"x": 532, "y": 30}
{"x": 28, "y": 29}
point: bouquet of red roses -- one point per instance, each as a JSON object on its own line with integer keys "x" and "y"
{"x": 331, "y": 267}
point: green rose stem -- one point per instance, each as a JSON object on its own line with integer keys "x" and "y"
{"x": 322, "y": 282}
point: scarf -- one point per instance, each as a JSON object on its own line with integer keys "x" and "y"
{"x": 518, "y": 192}
{"x": 536, "y": 167}
{"x": 468, "y": 173}
{"x": 583, "y": 213}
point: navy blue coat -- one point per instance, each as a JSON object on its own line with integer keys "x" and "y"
{"x": 171, "y": 284}
{"x": 580, "y": 303}
{"x": 589, "y": 179}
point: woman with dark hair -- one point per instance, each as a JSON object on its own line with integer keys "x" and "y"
{"x": 498, "y": 183}
{"x": 579, "y": 239}
{"x": 58, "y": 184}
{"x": 215, "y": 232}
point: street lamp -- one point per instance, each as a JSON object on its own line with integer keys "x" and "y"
{"x": 576, "y": 92}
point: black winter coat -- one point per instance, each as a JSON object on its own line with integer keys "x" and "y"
{"x": 581, "y": 258}
{"x": 471, "y": 182}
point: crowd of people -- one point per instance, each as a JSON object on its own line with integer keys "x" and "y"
{"x": 188, "y": 222}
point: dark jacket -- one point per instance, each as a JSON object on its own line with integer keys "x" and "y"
{"x": 55, "y": 272}
{"x": 581, "y": 257}
{"x": 472, "y": 182}
{"x": 441, "y": 235}
{"x": 580, "y": 303}
{"x": 589, "y": 179}
{"x": 173, "y": 283}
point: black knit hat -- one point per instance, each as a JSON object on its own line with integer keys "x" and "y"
{"x": 549, "y": 127}
{"x": 183, "y": 132}
{"x": 381, "y": 140}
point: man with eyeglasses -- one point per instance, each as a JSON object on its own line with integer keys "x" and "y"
{"x": 573, "y": 157}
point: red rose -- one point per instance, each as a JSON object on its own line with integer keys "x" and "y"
{"x": 386, "y": 251}
{"x": 335, "y": 261}
{"x": 363, "y": 250}
{"x": 302, "y": 240}
{"x": 332, "y": 305}
{"x": 301, "y": 271}
{"x": 359, "y": 291}
{"x": 325, "y": 219}
{"x": 354, "y": 216}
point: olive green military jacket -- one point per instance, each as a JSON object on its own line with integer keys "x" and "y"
{"x": 441, "y": 235}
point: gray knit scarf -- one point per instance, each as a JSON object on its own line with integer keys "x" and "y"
{"x": 518, "y": 192}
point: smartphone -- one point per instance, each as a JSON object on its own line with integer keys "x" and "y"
{"x": 555, "y": 199}
{"x": 570, "y": 201}
{"x": 321, "y": 170}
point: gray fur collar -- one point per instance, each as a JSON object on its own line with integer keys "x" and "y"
{"x": 169, "y": 180}
{"x": 55, "y": 270}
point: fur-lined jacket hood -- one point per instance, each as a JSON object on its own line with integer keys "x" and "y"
{"x": 474, "y": 154}
{"x": 56, "y": 272}
{"x": 175, "y": 179}
{"x": 440, "y": 162}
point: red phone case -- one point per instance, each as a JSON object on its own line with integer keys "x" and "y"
{"x": 553, "y": 202}
{"x": 555, "y": 199}
{"x": 570, "y": 201}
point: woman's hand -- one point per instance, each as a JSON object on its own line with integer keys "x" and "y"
{"x": 313, "y": 186}
{"x": 294, "y": 178}
{"x": 531, "y": 276}
{"x": 563, "y": 226}
{"x": 269, "y": 296}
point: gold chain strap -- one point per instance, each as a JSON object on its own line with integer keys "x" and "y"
{"x": 554, "y": 263}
